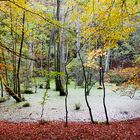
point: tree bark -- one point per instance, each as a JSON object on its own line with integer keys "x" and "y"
{"x": 85, "y": 78}
{"x": 41, "y": 58}
{"x": 66, "y": 98}
{"x": 13, "y": 57}
{"x": 104, "y": 97}
{"x": 6, "y": 72}
{"x": 1, "y": 87}
{"x": 78, "y": 80}
{"x": 12, "y": 93}
{"x": 48, "y": 58}
{"x": 31, "y": 52}
{"x": 20, "y": 53}
{"x": 100, "y": 72}
{"x": 59, "y": 85}
{"x": 107, "y": 61}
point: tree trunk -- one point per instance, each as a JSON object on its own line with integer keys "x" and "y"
{"x": 63, "y": 48}
{"x": 31, "y": 52}
{"x": 1, "y": 87}
{"x": 55, "y": 64}
{"x": 41, "y": 59}
{"x": 6, "y": 72}
{"x": 20, "y": 53}
{"x": 27, "y": 81}
{"x": 77, "y": 72}
{"x": 104, "y": 97}
{"x": 13, "y": 57}
{"x": 12, "y": 93}
{"x": 59, "y": 84}
{"x": 15, "y": 61}
{"x": 85, "y": 78}
{"x": 48, "y": 58}
{"x": 100, "y": 72}
{"x": 107, "y": 61}
{"x": 66, "y": 98}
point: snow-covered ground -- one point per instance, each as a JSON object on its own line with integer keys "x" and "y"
{"x": 119, "y": 107}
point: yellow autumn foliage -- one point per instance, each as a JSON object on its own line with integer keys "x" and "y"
{"x": 106, "y": 20}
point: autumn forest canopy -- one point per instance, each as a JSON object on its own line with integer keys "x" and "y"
{"x": 65, "y": 47}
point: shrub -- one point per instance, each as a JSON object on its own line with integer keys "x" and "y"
{"x": 77, "y": 106}
{"x": 28, "y": 91}
{"x": 116, "y": 77}
{"x": 26, "y": 104}
{"x": 2, "y": 99}
{"x": 41, "y": 86}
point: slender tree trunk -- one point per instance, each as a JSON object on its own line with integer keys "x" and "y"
{"x": 55, "y": 64}
{"x": 15, "y": 62}
{"x": 20, "y": 53}
{"x": 31, "y": 52}
{"x": 100, "y": 72}
{"x": 85, "y": 78}
{"x": 104, "y": 97}
{"x": 62, "y": 59}
{"x": 107, "y": 61}
{"x": 56, "y": 49}
{"x": 27, "y": 81}
{"x": 63, "y": 48}
{"x": 14, "y": 70}
{"x": 66, "y": 98}
{"x": 67, "y": 52}
{"x": 1, "y": 87}
{"x": 67, "y": 81}
{"x": 41, "y": 59}
{"x": 78, "y": 80}
{"x": 6, "y": 72}
{"x": 14, "y": 57}
{"x": 32, "y": 74}
{"x": 48, "y": 58}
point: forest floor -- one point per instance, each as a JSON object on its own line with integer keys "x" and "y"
{"x": 22, "y": 123}
{"x": 124, "y": 130}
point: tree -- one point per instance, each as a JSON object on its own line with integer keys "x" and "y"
{"x": 59, "y": 85}
{"x": 86, "y": 88}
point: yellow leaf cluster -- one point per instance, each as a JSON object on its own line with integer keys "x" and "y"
{"x": 95, "y": 54}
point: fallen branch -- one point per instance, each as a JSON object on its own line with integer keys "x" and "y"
{"x": 12, "y": 93}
